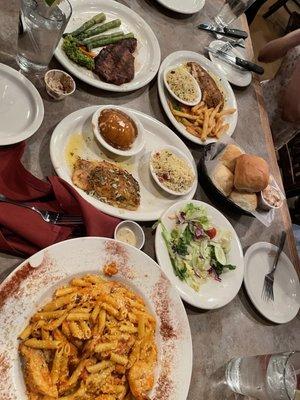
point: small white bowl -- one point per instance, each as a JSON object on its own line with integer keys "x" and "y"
{"x": 179, "y": 154}
{"x": 135, "y": 228}
{"x": 187, "y": 103}
{"x": 264, "y": 205}
{"x": 137, "y": 145}
{"x": 54, "y": 78}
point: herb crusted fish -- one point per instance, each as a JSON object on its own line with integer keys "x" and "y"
{"x": 108, "y": 182}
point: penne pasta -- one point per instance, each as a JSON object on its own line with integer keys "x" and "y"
{"x": 26, "y": 332}
{"x": 47, "y": 315}
{"x": 101, "y": 347}
{"x": 78, "y": 316}
{"x": 99, "y": 366}
{"x": 90, "y": 335}
{"x": 118, "y": 359}
{"x": 42, "y": 344}
{"x": 56, "y": 365}
{"x": 75, "y": 330}
{"x": 60, "y": 302}
{"x": 101, "y": 321}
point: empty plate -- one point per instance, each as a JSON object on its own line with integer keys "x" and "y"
{"x": 183, "y": 7}
{"x": 21, "y": 107}
{"x": 235, "y": 75}
{"x": 259, "y": 260}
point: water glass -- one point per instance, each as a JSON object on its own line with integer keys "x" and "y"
{"x": 266, "y": 377}
{"x": 40, "y": 29}
{"x": 231, "y": 10}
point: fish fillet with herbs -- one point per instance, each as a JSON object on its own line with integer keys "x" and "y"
{"x": 108, "y": 182}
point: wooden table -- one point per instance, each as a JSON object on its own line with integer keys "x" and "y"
{"x": 236, "y": 329}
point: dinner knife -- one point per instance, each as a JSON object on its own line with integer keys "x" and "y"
{"x": 235, "y": 33}
{"x": 237, "y": 61}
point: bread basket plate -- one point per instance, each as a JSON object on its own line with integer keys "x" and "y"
{"x": 32, "y": 284}
{"x": 147, "y": 55}
{"x": 74, "y": 134}
{"x": 180, "y": 57}
{"x": 217, "y": 195}
{"x": 212, "y": 294}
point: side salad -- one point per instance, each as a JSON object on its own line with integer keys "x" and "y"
{"x": 197, "y": 249}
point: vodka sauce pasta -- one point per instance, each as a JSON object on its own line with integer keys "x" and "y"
{"x": 94, "y": 340}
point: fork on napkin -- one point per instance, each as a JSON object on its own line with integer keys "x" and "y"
{"x": 23, "y": 231}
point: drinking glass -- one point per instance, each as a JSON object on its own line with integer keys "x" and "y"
{"x": 231, "y": 10}
{"x": 40, "y": 29}
{"x": 266, "y": 377}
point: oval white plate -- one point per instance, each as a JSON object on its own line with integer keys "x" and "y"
{"x": 183, "y": 7}
{"x": 236, "y": 76}
{"x": 21, "y": 107}
{"x": 196, "y": 86}
{"x": 259, "y": 260}
{"x": 34, "y": 281}
{"x": 153, "y": 199}
{"x": 212, "y": 294}
{"x": 179, "y": 57}
{"x": 147, "y": 55}
{"x": 179, "y": 154}
{"x": 138, "y": 143}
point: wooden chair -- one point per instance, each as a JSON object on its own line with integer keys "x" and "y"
{"x": 278, "y": 4}
{"x": 289, "y": 162}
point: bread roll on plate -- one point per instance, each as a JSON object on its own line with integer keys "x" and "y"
{"x": 229, "y": 156}
{"x": 247, "y": 201}
{"x": 222, "y": 178}
{"x": 251, "y": 174}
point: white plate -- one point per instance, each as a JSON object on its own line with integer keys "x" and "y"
{"x": 180, "y": 57}
{"x": 21, "y": 107}
{"x": 234, "y": 75}
{"x": 212, "y": 294}
{"x": 259, "y": 260}
{"x": 153, "y": 199}
{"x": 147, "y": 55}
{"x": 183, "y": 6}
{"x": 34, "y": 281}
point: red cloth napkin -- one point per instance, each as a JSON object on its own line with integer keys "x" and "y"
{"x": 23, "y": 231}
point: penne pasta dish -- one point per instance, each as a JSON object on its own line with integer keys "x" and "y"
{"x": 95, "y": 340}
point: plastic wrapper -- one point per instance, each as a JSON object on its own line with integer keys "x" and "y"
{"x": 211, "y": 160}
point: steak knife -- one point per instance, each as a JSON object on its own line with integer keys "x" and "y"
{"x": 235, "y": 33}
{"x": 237, "y": 61}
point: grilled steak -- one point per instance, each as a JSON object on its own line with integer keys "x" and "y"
{"x": 115, "y": 62}
{"x": 210, "y": 91}
{"x": 110, "y": 183}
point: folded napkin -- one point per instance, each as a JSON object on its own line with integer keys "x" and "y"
{"x": 23, "y": 231}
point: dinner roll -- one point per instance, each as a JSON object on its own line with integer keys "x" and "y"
{"x": 222, "y": 178}
{"x": 247, "y": 201}
{"x": 251, "y": 173}
{"x": 229, "y": 155}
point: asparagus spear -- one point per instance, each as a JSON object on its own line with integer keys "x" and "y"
{"x": 100, "y": 28}
{"x": 97, "y": 19}
{"x": 96, "y": 38}
{"x": 110, "y": 40}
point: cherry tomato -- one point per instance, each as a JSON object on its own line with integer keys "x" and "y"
{"x": 211, "y": 233}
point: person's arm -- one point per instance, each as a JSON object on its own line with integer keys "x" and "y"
{"x": 279, "y": 47}
{"x": 290, "y": 101}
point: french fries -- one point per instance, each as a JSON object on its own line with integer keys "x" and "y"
{"x": 201, "y": 121}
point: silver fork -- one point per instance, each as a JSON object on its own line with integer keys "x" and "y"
{"x": 48, "y": 216}
{"x": 267, "y": 292}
